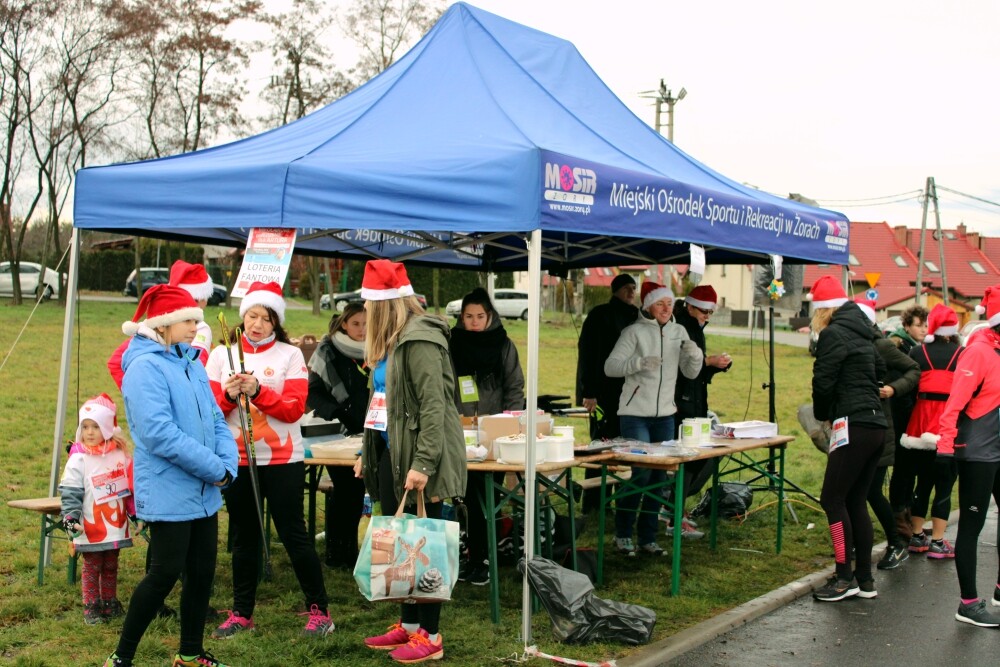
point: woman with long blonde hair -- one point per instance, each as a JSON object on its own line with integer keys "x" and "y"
{"x": 413, "y": 437}
{"x": 846, "y": 393}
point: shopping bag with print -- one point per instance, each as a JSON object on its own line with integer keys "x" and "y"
{"x": 407, "y": 557}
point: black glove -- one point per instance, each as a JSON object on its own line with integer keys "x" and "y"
{"x": 72, "y": 526}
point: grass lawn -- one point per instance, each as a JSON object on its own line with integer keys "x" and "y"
{"x": 44, "y": 626}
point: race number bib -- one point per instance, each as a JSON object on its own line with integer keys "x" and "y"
{"x": 378, "y": 417}
{"x": 110, "y": 485}
{"x": 838, "y": 438}
{"x": 467, "y": 389}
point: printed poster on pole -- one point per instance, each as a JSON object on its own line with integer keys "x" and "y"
{"x": 267, "y": 257}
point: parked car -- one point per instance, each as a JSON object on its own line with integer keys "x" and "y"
{"x": 158, "y": 276}
{"x": 29, "y": 273}
{"x": 510, "y": 303}
{"x": 339, "y": 300}
{"x": 969, "y": 329}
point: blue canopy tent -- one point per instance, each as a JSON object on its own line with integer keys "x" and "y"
{"x": 488, "y": 146}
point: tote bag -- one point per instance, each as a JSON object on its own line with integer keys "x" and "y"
{"x": 408, "y": 558}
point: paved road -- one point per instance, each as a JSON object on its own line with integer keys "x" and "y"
{"x": 782, "y": 336}
{"x": 910, "y": 623}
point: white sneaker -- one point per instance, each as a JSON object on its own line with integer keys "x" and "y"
{"x": 625, "y": 545}
{"x": 651, "y": 548}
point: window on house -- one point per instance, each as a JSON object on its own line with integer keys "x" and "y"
{"x": 932, "y": 267}
{"x": 950, "y": 236}
{"x": 900, "y": 261}
{"x": 854, "y": 261}
{"x": 977, "y": 267}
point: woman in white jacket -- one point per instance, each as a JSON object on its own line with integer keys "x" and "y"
{"x": 648, "y": 355}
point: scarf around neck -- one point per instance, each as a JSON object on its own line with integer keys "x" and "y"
{"x": 355, "y": 349}
{"x": 478, "y": 353}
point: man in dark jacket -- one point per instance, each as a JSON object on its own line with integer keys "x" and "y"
{"x": 691, "y": 395}
{"x": 595, "y": 390}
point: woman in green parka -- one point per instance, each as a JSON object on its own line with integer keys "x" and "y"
{"x": 413, "y": 436}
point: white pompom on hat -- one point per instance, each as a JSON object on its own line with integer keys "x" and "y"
{"x": 193, "y": 278}
{"x": 941, "y": 321}
{"x": 867, "y": 306}
{"x": 702, "y": 296}
{"x": 103, "y": 411}
{"x": 385, "y": 280}
{"x": 163, "y": 305}
{"x": 652, "y": 292}
{"x": 267, "y": 295}
{"x": 990, "y": 305}
{"x": 826, "y": 292}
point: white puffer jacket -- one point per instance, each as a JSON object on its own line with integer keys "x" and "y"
{"x": 650, "y": 393}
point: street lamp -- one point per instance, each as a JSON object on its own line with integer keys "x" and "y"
{"x": 665, "y": 96}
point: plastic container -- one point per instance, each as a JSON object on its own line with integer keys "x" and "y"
{"x": 560, "y": 446}
{"x": 696, "y": 431}
{"x": 471, "y": 437}
{"x": 510, "y": 449}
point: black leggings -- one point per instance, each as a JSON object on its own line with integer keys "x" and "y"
{"x": 911, "y": 468}
{"x": 880, "y": 505}
{"x": 282, "y": 486}
{"x": 427, "y": 616}
{"x": 174, "y": 547}
{"x": 343, "y": 515}
{"x": 476, "y": 524}
{"x": 849, "y": 472}
{"x": 977, "y": 481}
{"x": 941, "y": 478}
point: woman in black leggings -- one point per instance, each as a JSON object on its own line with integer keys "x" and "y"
{"x": 970, "y": 433}
{"x": 846, "y": 393}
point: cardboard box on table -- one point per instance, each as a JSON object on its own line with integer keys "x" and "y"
{"x": 496, "y": 426}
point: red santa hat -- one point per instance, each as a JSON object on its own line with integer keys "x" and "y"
{"x": 827, "y": 293}
{"x": 702, "y": 296}
{"x": 163, "y": 305}
{"x": 103, "y": 411}
{"x": 267, "y": 295}
{"x": 990, "y": 305}
{"x": 193, "y": 278}
{"x": 941, "y": 321}
{"x": 652, "y": 292}
{"x": 867, "y": 306}
{"x": 384, "y": 280}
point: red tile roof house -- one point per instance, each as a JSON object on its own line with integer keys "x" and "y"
{"x": 892, "y": 252}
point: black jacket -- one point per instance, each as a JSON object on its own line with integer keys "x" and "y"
{"x": 903, "y": 375}
{"x": 847, "y": 370}
{"x": 600, "y": 332}
{"x": 691, "y": 396}
{"x": 338, "y": 387}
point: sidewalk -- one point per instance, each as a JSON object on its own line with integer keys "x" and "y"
{"x": 911, "y": 621}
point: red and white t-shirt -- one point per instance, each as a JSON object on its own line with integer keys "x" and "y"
{"x": 275, "y": 413}
{"x": 105, "y": 476}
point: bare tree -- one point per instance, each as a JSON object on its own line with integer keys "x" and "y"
{"x": 382, "y": 28}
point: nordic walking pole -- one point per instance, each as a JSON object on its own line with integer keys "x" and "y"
{"x": 246, "y": 429}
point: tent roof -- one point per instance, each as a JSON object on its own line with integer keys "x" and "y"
{"x": 483, "y": 131}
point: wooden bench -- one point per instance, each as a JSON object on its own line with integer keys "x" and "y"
{"x": 51, "y": 511}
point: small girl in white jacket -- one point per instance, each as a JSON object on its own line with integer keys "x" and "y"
{"x": 648, "y": 355}
{"x": 96, "y": 499}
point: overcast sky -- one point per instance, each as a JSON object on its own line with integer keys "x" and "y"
{"x": 839, "y": 101}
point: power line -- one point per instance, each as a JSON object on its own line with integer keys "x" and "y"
{"x": 868, "y": 199}
{"x": 963, "y": 194}
{"x": 881, "y": 203}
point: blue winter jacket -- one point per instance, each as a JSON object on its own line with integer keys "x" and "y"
{"x": 183, "y": 445}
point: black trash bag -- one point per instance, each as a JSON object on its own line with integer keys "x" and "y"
{"x": 579, "y": 616}
{"x": 735, "y": 499}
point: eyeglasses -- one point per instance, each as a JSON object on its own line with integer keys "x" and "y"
{"x": 703, "y": 311}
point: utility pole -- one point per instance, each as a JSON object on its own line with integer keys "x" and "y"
{"x": 930, "y": 193}
{"x": 660, "y": 97}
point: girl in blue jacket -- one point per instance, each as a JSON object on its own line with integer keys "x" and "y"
{"x": 184, "y": 455}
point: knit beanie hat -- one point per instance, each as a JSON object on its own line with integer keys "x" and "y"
{"x": 866, "y": 305}
{"x": 702, "y": 296}
{"x": 193, "y": 278}
{"x": 620, "y": 281}
{"x": 941, "y": 321}
{"x": 163, "y": 305}
{"x": 652, "y": 292}
{"x": 102, "y": 410}
{"x": 990, "y": 305}
{"x": 267, "y": 295}
{"x": 826, "y": 292}
{"x": 384, "y": 280}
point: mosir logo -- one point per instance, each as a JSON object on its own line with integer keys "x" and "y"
{"x": 572, "y": 185}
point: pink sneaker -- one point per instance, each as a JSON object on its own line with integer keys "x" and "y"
{"x": 394, "y": 638}
{"x": 232, "y": 625}
{"x": 319, "y": 625}
{"x": 419, "y": 649}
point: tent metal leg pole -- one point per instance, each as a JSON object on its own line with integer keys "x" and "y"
{"x": 531, "y": 387}
{"x": 64, "y": 363}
